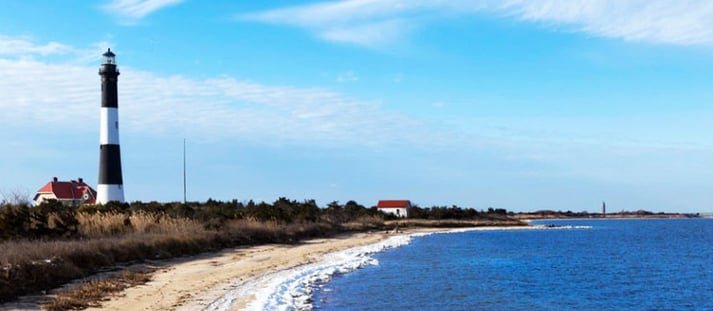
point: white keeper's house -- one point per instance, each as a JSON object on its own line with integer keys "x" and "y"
{"x": 397, "y": 207}
{"x": 70, "y": 193}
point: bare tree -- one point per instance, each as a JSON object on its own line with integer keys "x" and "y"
{"x": 15, "y": 197}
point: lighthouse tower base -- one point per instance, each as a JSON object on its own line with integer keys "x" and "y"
{"x": 108, "y": 193}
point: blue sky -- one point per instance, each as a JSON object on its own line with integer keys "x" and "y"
{"x": 522, "y": 105}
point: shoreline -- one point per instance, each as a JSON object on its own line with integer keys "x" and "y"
{"x": 197, "y": 282}
{"x": 234, "y": 278}
{"x": 204, "y": 281}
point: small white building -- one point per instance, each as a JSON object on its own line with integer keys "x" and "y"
{"x": 396, "y": 207}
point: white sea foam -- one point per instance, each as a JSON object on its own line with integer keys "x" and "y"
{"x": 291, "y": 289}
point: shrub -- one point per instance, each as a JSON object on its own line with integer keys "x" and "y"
{"x": 53, "y": 219}
{"x": 14, "y": 220}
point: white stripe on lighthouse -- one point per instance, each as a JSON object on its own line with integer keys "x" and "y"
{"x": 109, "y": 126}
{"x": 108, "y": 193}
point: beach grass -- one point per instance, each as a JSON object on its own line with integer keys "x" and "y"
{"x": 90, "y": 293}
{"x": 28, "y": 266}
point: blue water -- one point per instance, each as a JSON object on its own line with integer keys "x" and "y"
{"x": 616, "y": 264}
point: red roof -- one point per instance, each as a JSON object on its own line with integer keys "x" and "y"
{"x": 393, "y": 204}
{"x": 70, "y": 190}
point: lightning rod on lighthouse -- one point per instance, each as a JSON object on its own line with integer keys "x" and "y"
{"x": 110, "y": 186}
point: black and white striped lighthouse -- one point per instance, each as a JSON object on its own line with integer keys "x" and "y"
{"x": 110, "y": 186}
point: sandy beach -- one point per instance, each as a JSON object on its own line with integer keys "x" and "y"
{"x": 195, "y": 283}
{"x": 232, "y": 278}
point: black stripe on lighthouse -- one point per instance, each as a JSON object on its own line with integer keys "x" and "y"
{"x": 110, "y": 165}
{"x": 110, "y": 96}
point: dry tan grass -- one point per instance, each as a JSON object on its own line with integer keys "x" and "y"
{"x": 28, "y": 266}
{"x": 162, "y": 223}
{"x": 364, "y": 222}
{"x": 91, "y": 293}
{"x": 110, "y": 224}
{"x": 101, "y": 225}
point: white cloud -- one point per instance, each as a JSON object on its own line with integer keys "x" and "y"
{"x": 348, "y": 76}
{"x": 333, "y": 13}
{"x": 374, "y": 23}
{"x": 227, "y": 108}
{"x": 659, "y": 21}
{"x": 21, "y": 46}
{"x": 42, "y": 96}
{"x": 137, "y": 9}
{"x": 372, "y": 35}
{"x": 25, "y": 48}
{"x": 370, "y": 23}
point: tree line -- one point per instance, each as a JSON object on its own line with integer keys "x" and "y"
{"x": 51, "y": 219}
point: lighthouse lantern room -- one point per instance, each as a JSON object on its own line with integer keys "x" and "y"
{"x": 109, "y": 57}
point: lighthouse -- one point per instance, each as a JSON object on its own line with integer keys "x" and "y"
{"x": 110, "y": 186}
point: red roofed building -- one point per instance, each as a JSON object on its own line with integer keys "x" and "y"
{"x": 70, "y": 193}
{"x": 397, "y": 207}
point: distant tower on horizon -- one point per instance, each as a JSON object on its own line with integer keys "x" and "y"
{"x": 604, "y": 208}
{"x": 111, "y": 184}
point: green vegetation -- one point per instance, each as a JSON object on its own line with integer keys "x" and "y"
{"x": 50, "y": 244}
{"x": 456, "y": 213}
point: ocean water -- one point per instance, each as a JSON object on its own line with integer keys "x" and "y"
{"x": 653, "y": 264}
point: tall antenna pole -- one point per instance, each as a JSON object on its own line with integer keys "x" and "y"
{"x": 184, "y": 171}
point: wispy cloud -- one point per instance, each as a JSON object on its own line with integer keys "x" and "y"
{"x": 22, "y": 46}
{"x": 371, "y": 23}
{"x": 374, "y": 23}
{"x": 133, "y": 10}
{"x": 687, "y": 22}
{"x": 38, "y": 94}
{"x": 374, "y": 34}
{"x": 347, "y": 76}
{"x": 26, "y": 48}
